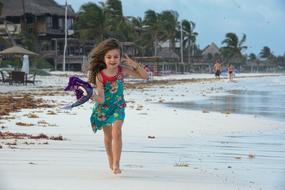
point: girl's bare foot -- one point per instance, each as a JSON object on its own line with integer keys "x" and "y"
{"x": 117, "y": 170}
{"x": 111, "y": 167}
{"x": 110, "y": 163}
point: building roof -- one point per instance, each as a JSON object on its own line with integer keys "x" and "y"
{"x": 34, "y": 7}
{"x": 211, "y": 49}
{"x": 167, "y": 53}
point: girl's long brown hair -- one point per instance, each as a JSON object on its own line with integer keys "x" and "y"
{"x": 97, "y": 55}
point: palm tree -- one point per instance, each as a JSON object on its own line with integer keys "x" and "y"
{"x": 188, "y": 28}
{"x": 265, "y": 52}
{"x": 161, "y": 27}
{"x": 152, "y": 27}
{"x": 169, "y": 24}
{"x": 115, "y": 23}
{"x": 252, "y": 57}
{"x": 233, "y": 47}
{"x": 114, "y": 8}
{"x": 137, "y": 23}
{"x": 91, "y": 22}
{"x": 100, "y": 21}
{"x": 140, "y": 38}
{"x": 28, "y": 40}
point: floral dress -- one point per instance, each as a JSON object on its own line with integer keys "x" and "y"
{"x": 114, "y": 104}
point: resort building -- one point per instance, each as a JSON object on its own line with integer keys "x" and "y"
{"x": 46, "y": 20}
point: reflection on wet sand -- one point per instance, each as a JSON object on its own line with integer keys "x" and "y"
{"x": 259, "y": 103}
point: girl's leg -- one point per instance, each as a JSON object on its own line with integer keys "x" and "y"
{"x": 117, "y": 145}
{"x": 108, "y": 144}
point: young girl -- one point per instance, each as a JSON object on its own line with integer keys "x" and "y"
{"x": 107, "y": 74}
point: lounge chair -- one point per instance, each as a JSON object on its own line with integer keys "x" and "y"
{"x": 4, "y": 79}
{"x": 18, "y": 77}
{"x": 31, "y": 80}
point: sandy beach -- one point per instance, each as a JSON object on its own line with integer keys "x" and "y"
{"x": 165, "y": 145}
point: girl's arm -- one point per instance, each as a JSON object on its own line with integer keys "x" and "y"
{"x": 99, "y": 97}
{"x": 135, "y": 69}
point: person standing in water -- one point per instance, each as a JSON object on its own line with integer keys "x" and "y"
{"x": 231, "y": 71}
{"x": 217, "y": 69}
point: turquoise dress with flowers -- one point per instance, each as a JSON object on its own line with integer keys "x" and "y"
{"x": 114, "y": 104}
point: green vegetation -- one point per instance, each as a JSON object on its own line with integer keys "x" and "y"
{"x": 232, "y": 51}
{"x": 104, "y": 20}
{"x": 99, "y": 21}
{"x": 40, "y": 63}
{"x": 28, "y": 40}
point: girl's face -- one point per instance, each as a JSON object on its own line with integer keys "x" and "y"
{"x": 112, "y": 58}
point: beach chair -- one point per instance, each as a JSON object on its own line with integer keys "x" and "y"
{"x": 18, "y": 77}
{"x": 31, "y": 80}
{"x": 4, "y": 79}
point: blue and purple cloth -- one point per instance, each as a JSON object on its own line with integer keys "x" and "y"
{"x": 79, "y": 87}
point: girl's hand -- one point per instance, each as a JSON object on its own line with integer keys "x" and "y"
{"x": 128, "y": 61}
{"x": 93, "y": 98}
{"x": 137, "y": 70}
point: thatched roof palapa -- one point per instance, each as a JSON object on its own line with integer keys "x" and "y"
{"x": 167, "y": 53}
{"x": 35, "y": 7}
{"x": 211, "y": 49}
{"x": 16, "y": 50}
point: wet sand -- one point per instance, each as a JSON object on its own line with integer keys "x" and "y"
{"x": 259, "y": 103}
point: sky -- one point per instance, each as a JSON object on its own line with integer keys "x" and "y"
{"x": 263, "y": 21}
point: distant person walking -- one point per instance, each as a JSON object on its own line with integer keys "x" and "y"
{"x": 217, "y": 69}
{"x": 231, "y": 71}
{"x": 107, "y": 75}
{"x": 149, "y": 72}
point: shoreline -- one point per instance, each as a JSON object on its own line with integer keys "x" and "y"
{"x": 24, "y": 97}
{"x": 57, "y": 82}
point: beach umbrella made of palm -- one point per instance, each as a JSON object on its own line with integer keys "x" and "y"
{"x": 17, "y": 51}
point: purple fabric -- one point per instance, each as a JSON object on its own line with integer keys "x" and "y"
{"x": 74, "y": 83}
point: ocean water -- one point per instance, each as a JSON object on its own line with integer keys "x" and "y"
{"x": 264, "y": 96}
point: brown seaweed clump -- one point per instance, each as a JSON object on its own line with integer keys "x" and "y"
{"x": 15, "y": 102}
{"x": 10, "y": 135}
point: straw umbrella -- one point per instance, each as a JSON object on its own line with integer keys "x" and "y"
{"x": 17, "y": 51}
